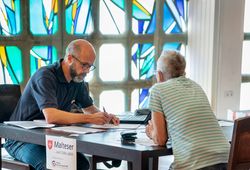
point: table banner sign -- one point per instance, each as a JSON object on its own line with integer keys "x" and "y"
{"x": 60, "y": 153}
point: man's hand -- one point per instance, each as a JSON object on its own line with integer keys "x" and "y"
{"x": 113, "y": 119}
{"x": 149, "y": 129}
{"x": 100, "y": 118}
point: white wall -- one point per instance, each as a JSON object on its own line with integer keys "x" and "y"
{"x": 214, "y": 50}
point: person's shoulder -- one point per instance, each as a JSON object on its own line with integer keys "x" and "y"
{"x": 45, "y": 71}
{"x": 158, "y": 86}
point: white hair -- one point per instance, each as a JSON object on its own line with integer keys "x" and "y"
{"x": 171, "y": 63}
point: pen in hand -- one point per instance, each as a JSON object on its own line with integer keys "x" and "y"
{"x": 110, "y": 117}
{"x": 104, "y": 110}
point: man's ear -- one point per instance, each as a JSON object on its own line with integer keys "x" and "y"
{"x": 160, "y": 77}
{"x": 70, "y": 58}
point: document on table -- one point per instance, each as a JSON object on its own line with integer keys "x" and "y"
{"x": 223, "y": 123}
{"x": 29, "y": 124}
{"x": 78, "y": 129}
{"x": 112, "y": 126}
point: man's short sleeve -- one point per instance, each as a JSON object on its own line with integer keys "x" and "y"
{"x": 155, "y": 99}
{"x": 44, "y": 92}
{"x": 83, "y": 97}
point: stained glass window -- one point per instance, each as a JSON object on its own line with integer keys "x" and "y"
{"x": 174, "y": 19}
{"x": 113, "y": 101}
{"x": 10, "y": 23}
{"x": 108, "y": 70}
{"x": 41, "y": 56}
{"x": 78, "y": 17}
{"x": 175, "y": 46}
{"x": 143, "y": 61}
{"x": 143, "y": 17}
{"x": 11, "y": 71}
{"x": 139, "y": 98}
{"x": 112, "y": 16}
{"x": 43, "y": 17}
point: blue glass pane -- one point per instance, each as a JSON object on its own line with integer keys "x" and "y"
{"x": 43, "y": 17}
{"x": 41, "y": 56}
{"x": 172, "y": 46}
{"x": 175, "y": 46}
{"x": 11, "y": 71}
{"x": 139, "y": 98}
{"x": 144, "y": 17}
{"x": 143, "y": 61}
{"x": 10, "y": 17}
{"x": 174, "y": 19}
{"x": 78, "y": 17}
{"x": 143, "y": 98}
{"x": 112, "y": 17}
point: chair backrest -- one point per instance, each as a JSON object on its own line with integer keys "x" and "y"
{"x": 239, "y": 157}
{"x": 9, "y": 97}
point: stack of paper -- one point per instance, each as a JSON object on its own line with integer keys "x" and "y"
{"x": 29, "y": 124}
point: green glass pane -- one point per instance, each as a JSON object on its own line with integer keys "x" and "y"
{"x": 143, "y": 61}
{"x": 11, "y": 71}
{"x": 10, "y": 17}
{"x": 42, "y": 56}
{"x": 43, "y": 17}
{"x": 112, "y": 17}
{"x": 78, "y": 17}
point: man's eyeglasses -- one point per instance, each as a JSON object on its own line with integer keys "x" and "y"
{"x": 85, "y": 66}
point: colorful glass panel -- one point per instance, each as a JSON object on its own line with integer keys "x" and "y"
{"x": 175, "y": 46}
{"x": 143, "y": 61}
{"x": 11, "y": 71}
{"x": 10, "y": 17}
{"x": 41, "y": 56}
{"x": 112, "y": 17}
{"x": 139, "y": 98}
{"x": 143, "y": 16}
{"x": 43, "y": 17}
{"x": 174, "y": 19}
{"x": 78, "y": 17}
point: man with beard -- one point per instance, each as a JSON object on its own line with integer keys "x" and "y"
{"x": 50, "y": 94}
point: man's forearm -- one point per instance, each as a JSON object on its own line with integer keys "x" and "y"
{"x": 91, "y": 109}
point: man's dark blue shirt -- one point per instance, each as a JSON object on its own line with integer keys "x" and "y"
{"x": 48, "y": 88}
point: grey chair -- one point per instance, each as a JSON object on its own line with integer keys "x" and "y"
{"x": 239, "y": 157}
{"x": 9, "y": 97}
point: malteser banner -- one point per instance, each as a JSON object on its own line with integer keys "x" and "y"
{"x": 60, "y": 153}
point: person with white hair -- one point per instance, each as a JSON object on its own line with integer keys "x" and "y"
{"x": 181, "y": 112}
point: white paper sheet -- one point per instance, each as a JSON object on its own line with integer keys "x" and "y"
{"x": 78, "y": 129}
{"x": 120, "y": 126}
{"x": 29, "y": 124}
